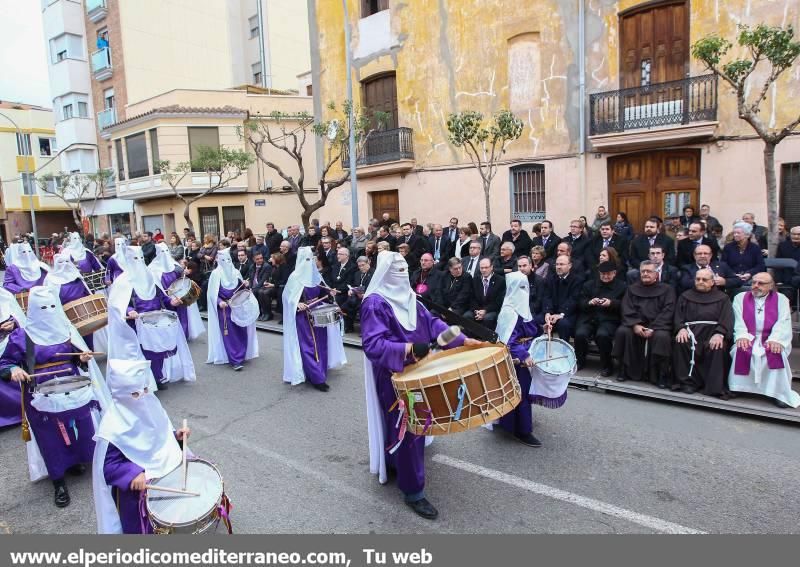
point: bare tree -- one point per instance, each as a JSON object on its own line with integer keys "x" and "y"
{"x": 777, "y": 47}
{"x": 78, "y": 191}
{"x": 221, "y": 165}
{"x": 288, "y": 133}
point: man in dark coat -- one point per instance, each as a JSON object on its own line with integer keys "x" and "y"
{"x": 488, "y": 292}
{"x": 417, "y": 244}
{"x": 359, "y": 280}
{"x": 427, "y": 281}
{"x": 577, "y": 240}
{"x": 490, "y": 242}
{"x": 272, "y": 239}
{"x": 148, "y": 247}
{"x": 704, "y": 319}
{"x": 547, "y": 239}
{"x": 456, "y": 287}
{"x": 653, "y": 236}
{"x": 535, "y": 285}
{"x": 665, "y": 273}
{"x": 519, "y": 238}
{"x": 440, "y": 246}
{"x": 561, "y": 297}
{"x": 601, "y": 299}
{"x": 789, "y": 248}
{"x": 643, "y": 342}
{"x": 340, "y": 273}
{"x": 697, "y": 237}
{"x": 384, "y": 236}
{"x": 507, "y": 261}
{"x": 606, "y": 237}
{"x": 724, "y": 278}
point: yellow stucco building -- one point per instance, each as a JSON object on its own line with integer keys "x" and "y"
{"x": 616, "y": 111}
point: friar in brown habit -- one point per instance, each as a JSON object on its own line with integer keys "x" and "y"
{"x": 643, "y": 342}
{"x": 704, "y": 324}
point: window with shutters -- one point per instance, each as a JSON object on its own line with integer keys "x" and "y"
{"x": 380, "y": 95}
{"x": 120, "y": 162}
{"x": 528, "y": 193}
{"x": 136, "y": 151}
{"x": 369, "y": 7}
{"x": 790, "y": 194}
{"x": 23, "y": 144}
{"x": 209, "y": 221}
{"x": 233, "y": 220}
{"x": 253, "y": 22}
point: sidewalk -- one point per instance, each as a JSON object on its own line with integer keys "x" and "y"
{"x": 590, "y": 378}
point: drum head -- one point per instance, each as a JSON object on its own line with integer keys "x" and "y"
{"x": 561, "y": 359}
{"x": 325, "y": 309}
{"x": 446, "y": 364}
{"x": 159, "y": 319}
{"x": 180, "y": 287}
{"x": 244, "y": 308}
{"x": 240, "y": 297}
{"x": 179, "y": 509}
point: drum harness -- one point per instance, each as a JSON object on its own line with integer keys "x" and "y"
{"x": 688, "y": 326}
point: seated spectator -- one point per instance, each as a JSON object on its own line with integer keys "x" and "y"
{"x": 643, "y": 342}
{"x": 539, "y": 262}
{"x": 606, "y": 238}
{"x": 428, "y": 281}
{"x": 412, "y": 261}
{"x": 789, "y": 248}
{"x": 652, "y": 236}
{"x": 704, "y": 320}
{"x": 507, "y": 262}
{"x": 488, "y": 292}
{"x": 517, "y": 236}
{"x": 688, "y": 216}
{"x": 697, "y": 237}
{"x": 564, "y": 248}
{"x": 244, "y": 265}
{"x": 664, "y": 272}
{"x": 535, "y": 286}
{"x": 278, "y": 277}
{"x": 622, "y": 227}
{"x": 456, "y": 287}
{"x": 743, "y": 256}
{"x": 260, "y": 284}
{"x": 547, "y": 239}
{"x": 359, "y": 280}
{"x": 724, "y": 278}
{"x": 763, "y": 340}
{"x": 561, "y": 297}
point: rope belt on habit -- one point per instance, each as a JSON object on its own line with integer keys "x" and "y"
{"x": 50, "y": 365}
{"x": 688, "y": 325}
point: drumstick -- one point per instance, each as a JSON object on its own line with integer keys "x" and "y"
{"x": 172, "y": 490}
{"x": 78, "y": 353}
{"x": 47, "y": 373}
{"x": 317, "y": 300}
{"x": 185, "y": 449}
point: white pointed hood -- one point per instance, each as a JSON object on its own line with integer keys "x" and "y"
{"x": 46, "y": 323}
{"x": 391, "y": 282}
{"x": 74, "y": 247}
{"x": 21, "y": 255}
{"x": 515, "y": 304}
{"x": 63, "y": 272}
{"x": 162, "y": 264}
{"x": 120, "y": 254}
{"x": 140, "y": 278}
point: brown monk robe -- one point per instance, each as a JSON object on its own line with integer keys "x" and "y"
{"x": 711, "y": 339}
{"x": 643, "y": 342}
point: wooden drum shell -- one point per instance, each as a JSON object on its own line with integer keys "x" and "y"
{"x": 89, "y": 314}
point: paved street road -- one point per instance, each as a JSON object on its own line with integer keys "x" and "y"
{"x": 295, "y": 460}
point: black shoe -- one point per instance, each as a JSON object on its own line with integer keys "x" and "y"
{"x": 621, "y": 376}
{"x": 529, "y": 440}
{"x": 606, "y": 372}
{"x": 280, "y": 321}
{"x": 580, "y": 366}
{"x": 424, "y": 508}
{"x": 260, "y": 318}
{"x": 675, "y": 387}
{"x": 688, "y": 390}
{"x": 162, "y": 385}
{"x": 322, "y": 387}
{"x": 238, "y": 367}
{"x": 62, "y": 498}
{"x": 724, "y": 396}
{"x": 782, "y": 405}
{"x": 662, "y": 385}
{"x": 268, "y": 317}
{"x": 77, "y": 470}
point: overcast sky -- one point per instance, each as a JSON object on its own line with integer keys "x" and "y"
{"x": 23, "y": 63}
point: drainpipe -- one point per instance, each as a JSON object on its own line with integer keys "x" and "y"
{"x": 261, "y": 53}
{"x": 582, "y": 95}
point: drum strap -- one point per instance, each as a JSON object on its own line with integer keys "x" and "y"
{"x": 402, "y": 423}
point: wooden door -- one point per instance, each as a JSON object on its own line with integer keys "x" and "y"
{"x": 380, "y": 94}
{"x": 653, "y": 183}
{"x": 385, "y": 202}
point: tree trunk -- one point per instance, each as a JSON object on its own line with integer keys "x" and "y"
{"x": 772, "y": 197}
{"x": 188, "y": 220}
{"x": 487, "y": 185}
{"x": 76, "y": 218}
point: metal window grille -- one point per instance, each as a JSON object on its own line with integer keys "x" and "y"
{"x": 790, "y": 193}
{"x": 209, "y": 221}
{"x": 233, "y": 219}
{"x": 528, "y": 193}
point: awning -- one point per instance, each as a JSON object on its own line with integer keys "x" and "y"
{"x": 114, "y": 206}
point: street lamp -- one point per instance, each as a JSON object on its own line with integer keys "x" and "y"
{"x": 352, "y": 120}
{"x": 31, "y": 180}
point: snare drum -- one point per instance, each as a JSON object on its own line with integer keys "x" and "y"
{"x": 22, "y": 299}
{"x": 89, "y": 314}
{"x": 244, "y": 308}
{"x": 458, "y": 389}
{"x": 554, "y": 363}
{"x": 95, "y": 281}
{"x": 325, "y": 315}
{"x": 157, "y": 330}
{"x": 171, "y": 513}
{"x": 184, "y": 289}
{"x": 62, "y": 385}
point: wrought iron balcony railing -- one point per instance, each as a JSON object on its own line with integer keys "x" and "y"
{"x": 383, "y": 147}
{"x": 693, "y": 99}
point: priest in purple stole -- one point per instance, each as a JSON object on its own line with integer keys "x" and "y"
{"x": 308, "y": 351}
{"x": 516, "y": 329}
{"x": 23, "y": 269}
{"x": 135, "y": 443}
{"x": 11, "y": 317}
{"x": 227, "y": 341}
{"x": 763, "y": 335}
{"x": 396, "y": 331}
{"x": 62, "y": 425}
{"x": 83, "y": 258}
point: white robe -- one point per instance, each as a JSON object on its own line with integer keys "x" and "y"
{"x": 762, "y": 380}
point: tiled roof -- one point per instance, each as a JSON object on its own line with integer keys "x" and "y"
{"x": 178, "y": 109}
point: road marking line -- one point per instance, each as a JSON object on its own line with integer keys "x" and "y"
{"x": 558, "y": 494}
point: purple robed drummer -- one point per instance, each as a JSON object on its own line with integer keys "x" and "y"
{"x": 516, "y": 329}
{"x": 165, "y": 271}
{"x": 68, "y": 283}
{"x": 11, "y": 317}
{"x": 396, "y": 330}
{"x": 135, "y": 443}
{"x": 62, "y": 425}
{"x": 118, "y": 261}
{"x": 84, "y": 259}
{"x": 227, "y": 341}
{"x": 320, "y": 348}
{"x": 23, "y": 269}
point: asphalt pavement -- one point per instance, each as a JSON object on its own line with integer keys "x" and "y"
{"x": 295, "y": 460}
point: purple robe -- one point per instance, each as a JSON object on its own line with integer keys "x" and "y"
{"x": 167, "y": 279}
{"x": 113, "y": 270}
{"x": 119, "y": 472}
{"x": 236, "y": 340}
{"x": 70, "y": 292}
{"x": 519, "y": 421}
{"x": 10, "y": 402}
{"x": 15, "y": 283}
{"x": 64, "y": 438}
{"x": 89, "y": 264}
{"x": 159, "y": 301}
{"x": 313, "y": 340}
{"x": 384, "y": 343}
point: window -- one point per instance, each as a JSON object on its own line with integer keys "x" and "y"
{"x": 256, "y": 67}
{"x": 108, "y": 98}
{"x": 83, "y": 110}
{"x": 66, "y": 46}
{"x": 45, "y": 147}
{"x": 233, "y": 219}
{"x": 790, "y": 193}
{"x": 72, "y": 105}
{"x": 380, "y": 95}
{"x": 51, "y": 186}
{"x": 253, "y": 26}
{"x": 154, "y": 148}
{"x": 23, "y": 144}
{"x": 120, "y": 162}
{"x": 66, "y": 111}
{"x": 136, "y": 151}
{"x": 369, "y": 7}
{"x": 200, "y": 137}
{"x": 309, "y": 90}
{"x": 28, "y": 184}
{"x": 528, "y": 193}
{"x": 61, "y": 55}
{"x": 209, "y": 221}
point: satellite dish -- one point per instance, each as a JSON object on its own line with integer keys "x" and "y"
{"x": 333, "y": 129}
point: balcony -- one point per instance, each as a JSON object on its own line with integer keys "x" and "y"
{"x": 389, "y": 151}
{"x": 652, "y": 115}
{"x": 96, "y": 10}
{"x": 101, "y": 64}
{"x": 106, "y": 118}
